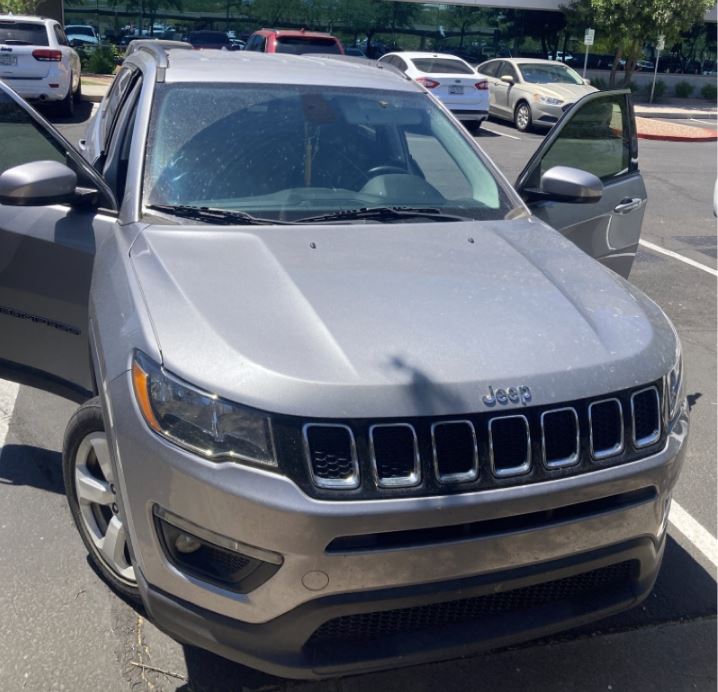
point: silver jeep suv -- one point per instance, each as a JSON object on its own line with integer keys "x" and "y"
{"x": 351, "y": 401}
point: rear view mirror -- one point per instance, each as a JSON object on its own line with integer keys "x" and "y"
{"x": 37, "y": 184}
{"x": 566, "y": 184}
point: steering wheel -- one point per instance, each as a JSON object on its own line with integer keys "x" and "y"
{"x": 385, "y": 170}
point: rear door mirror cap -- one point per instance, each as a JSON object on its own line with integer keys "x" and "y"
{"x": 42, "y": 183}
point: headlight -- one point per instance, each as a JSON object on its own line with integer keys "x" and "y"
{"x": 550, "y": 101}
{"x": 200, "y": 422}
{"x": 674, "y": 384}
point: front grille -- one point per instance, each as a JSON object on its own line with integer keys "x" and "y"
{"x": 510, "y": 445}
{"x": 395, "y": 454}
{"x": 606, "y": 421}
{"x": 386, "y": 623}
{"x": 646, "y": 414}
{"x": 561, "y": 439}
{"x": 456, "y": 456}
{"x": 332, "y": 455}
{"x": 361, "y": 458}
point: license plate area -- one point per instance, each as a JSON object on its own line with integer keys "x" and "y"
{"x": 8, "y": 60}
{"x": 455, "y": 89}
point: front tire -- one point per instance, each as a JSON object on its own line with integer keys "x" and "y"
{"x": 522, "y": 117}
{"x": 91, "y": 490}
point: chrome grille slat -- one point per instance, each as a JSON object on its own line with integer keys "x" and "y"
{"x": 329, "y": 469}
{"x": 494, "y": 447}
{"x": 570, "y": 459}
{"x": 596, "y": 421}
{"x": 380, "y": 467}
{"x": 652, "y": 399}
{"x": 470, "y": 474}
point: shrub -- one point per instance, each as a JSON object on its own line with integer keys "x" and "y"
{"x": 100, "y": 60}
{"x": 709, "y": 92}
{"x": 683, "y": 90}
{"x": 658, "y": 93}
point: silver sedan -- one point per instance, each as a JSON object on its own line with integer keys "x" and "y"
{"x": 532, "y": 92}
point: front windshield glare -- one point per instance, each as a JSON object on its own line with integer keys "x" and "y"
{"x": 541, "y": 73}
{"x": 292, "y": 152}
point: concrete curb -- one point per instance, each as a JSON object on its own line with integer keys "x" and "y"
{"x": 678, "y": 138}
{"x": 676, "y": 115}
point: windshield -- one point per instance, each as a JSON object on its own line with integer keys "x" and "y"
{"x": 23, "y": 33}
{"x": 80, "y": 30}
{"x": 297, "y": 45}
{"x": 541, "y": 73}
{"x": 286, "y": 152}
{"x": 441, "y": 66}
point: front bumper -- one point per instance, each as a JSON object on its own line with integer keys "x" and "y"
{"x": 270, "y": 512}
{"x": 470, "y": 115}
{"x": 543, "y": 114}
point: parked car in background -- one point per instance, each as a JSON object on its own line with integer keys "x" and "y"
{"x": 36, "y": 60}
{"x": 452, "y": 80}
{"x": 532, "y": 92}
{"x": 210, "y": 40}
{"x": 80, "y": 35}
{"x": 354, "y": 51}
{"x": 294, "y": 41}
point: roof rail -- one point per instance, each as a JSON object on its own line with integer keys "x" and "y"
{"x": 157, "y": 48}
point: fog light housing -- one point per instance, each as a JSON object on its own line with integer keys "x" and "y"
{"x": 212, "y": 557}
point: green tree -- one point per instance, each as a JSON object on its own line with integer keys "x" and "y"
{"x": 464, "y": 18}
{"x": 628, "y": 24}
{"x": 19, "y": 6}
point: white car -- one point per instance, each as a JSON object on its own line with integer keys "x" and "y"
{"x": 452, "y": 80}
{"x": 81, "y": 35}
{"x": 37, "y": 62}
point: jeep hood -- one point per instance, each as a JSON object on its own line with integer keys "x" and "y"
{"x": 394, "y": 319}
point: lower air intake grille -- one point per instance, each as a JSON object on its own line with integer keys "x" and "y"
{"x": 332, "y": 456}
{"x": 385, "y": 623}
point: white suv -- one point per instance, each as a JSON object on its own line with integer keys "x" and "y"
{"x": 37, "y": 62}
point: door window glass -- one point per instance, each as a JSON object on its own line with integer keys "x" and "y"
{"x": 60, "y": 35}
{"x": 114, "y": 98}
{"x": 22, "y": 139}
{"x": 596, "y": 139}
{"x": 506, "y": 69}
{"x": 489, "y": 68}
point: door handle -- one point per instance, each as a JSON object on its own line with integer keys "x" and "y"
{"x": 628, "y": 205}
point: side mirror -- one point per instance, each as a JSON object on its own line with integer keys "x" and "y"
{"x": 38, "y": 184}
{"x": 566, "y": 184}
{"x": 508, "y": 79}
{"x": 587, "y": 82}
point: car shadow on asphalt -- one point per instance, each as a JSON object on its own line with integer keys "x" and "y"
{"x": 31, "y": 466}
{"x": 83, "y": 111}
{"x": 684, "y": 591}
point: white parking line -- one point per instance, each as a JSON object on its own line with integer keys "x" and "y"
{"x": 8, "y": 394}
{"x": 694, "y": 532}
{"x": 681, "y": 258}
{"x": 502, "y": 134}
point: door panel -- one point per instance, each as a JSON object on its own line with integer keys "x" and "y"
{"x": 597, "y": 135}
{"x": 46, "y": 260}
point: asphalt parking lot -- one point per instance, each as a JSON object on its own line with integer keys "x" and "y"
{"x": 63, "y": 629}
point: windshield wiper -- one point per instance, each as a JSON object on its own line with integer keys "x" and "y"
{"x": 215, "y": 215}
{"x": 385, "y": 214}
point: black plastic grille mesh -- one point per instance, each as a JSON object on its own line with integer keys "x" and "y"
{"x": 646, "y": 414}
{"x": 385, "y": 623}
{"x": 394, "y": 451}
{"x": 510, "y": 442}
{"x": 455, "y": 448}
{"x": 606, "y": 425}
{"x": 560, "y": 435}
{"x": 330, "y": 449}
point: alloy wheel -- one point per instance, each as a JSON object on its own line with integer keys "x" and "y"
{"x": 97, "y": 500}
{"x": 523, "y": 117}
